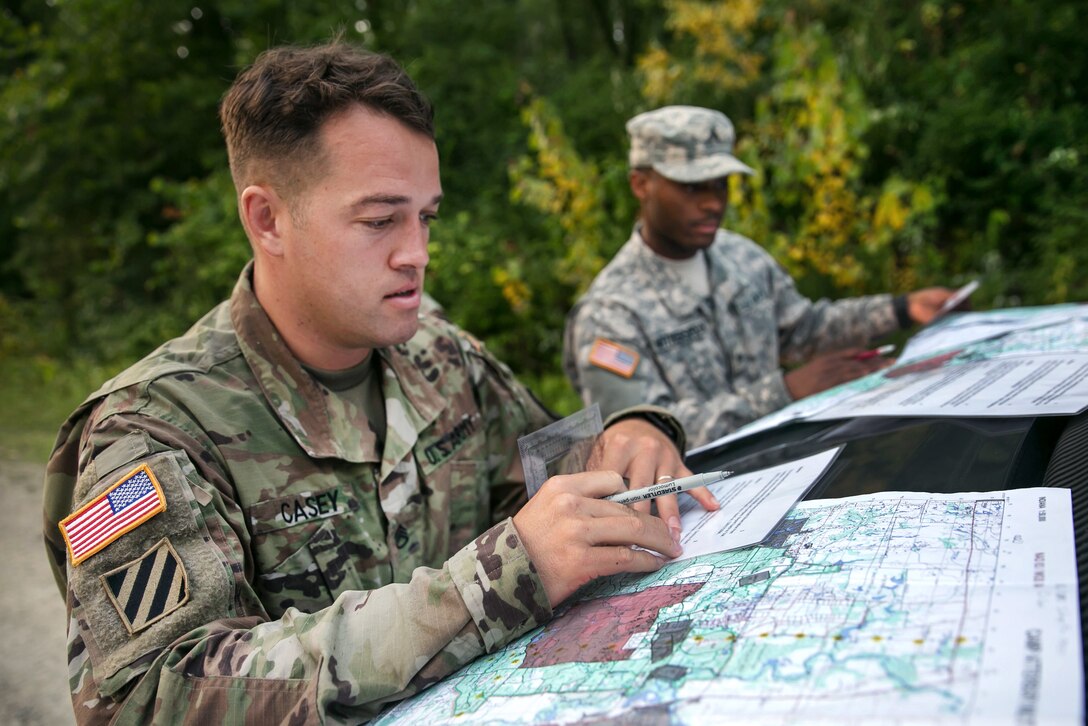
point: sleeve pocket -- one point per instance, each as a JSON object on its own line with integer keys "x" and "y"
{"x": 315, "y": 574}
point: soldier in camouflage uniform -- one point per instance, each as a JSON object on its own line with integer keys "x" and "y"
{"x": 699, "y": 320}
{"x": 300, "y": 509}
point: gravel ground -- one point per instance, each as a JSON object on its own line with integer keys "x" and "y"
{"x": 33, "y": 671}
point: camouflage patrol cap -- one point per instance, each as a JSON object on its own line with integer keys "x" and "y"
{"x": 684, "y": 143}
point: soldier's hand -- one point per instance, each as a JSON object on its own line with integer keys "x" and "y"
{"x": 831, "y": 369}
{"x": 573, "y": 535}
{"x": 924, "y": 305}
{"x": 645, "y": 455}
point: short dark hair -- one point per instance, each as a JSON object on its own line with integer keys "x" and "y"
{"x": 273, "y": 112}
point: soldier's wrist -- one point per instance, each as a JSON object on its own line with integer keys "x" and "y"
{"x": 496, "y": 568}
{"x": 901, "y": 306}
{"x": 657, "y": 417}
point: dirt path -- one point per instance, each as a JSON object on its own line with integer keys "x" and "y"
{"x": 33, "y": 668}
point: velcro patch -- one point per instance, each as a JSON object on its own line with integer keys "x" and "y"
{"x": 148, "y": 588}
{"x": 133, "y": 500}
{"x": 613, "y": 357}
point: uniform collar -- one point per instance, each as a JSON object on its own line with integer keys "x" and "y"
{"x": 669, "y": 288}
{"x": 412, "y": 402}
{"x": 323, "y": 423}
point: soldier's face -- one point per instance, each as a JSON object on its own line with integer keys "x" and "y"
{"x": 356, "y": 248}
{"x": 678, "y": 219}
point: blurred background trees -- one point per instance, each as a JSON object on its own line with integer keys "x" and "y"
{"x": 897, "y": 145}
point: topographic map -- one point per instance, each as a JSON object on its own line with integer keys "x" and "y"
{"x": 891, "y": 608}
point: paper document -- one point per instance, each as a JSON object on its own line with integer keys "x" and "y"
{"x": 1026, "y": 385}
{"x": 751, "y": 505}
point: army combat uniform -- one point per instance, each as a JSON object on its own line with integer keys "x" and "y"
{"x": 640, "y": 335}
{"x": 284, "y": 567}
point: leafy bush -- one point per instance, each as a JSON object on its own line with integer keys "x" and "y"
{"x": 898, "y": 145}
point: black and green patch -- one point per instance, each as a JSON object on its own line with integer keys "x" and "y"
{"x": 148, "y": 588}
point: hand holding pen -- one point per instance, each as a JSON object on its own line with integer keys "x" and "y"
{"x": 573, "y": 536}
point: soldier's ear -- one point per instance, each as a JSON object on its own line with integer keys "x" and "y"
{"x": 639, "y": 179}
{"x": 265, "y": 217}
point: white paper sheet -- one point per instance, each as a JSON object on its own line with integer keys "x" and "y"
{"x": 1025, "y": 385}
{"x": 751, "y": 505}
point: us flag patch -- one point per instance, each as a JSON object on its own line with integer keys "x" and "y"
{"x": 121, "y": 508}
{"x": 613, "y": 357}
{"x": 149, "y": 588}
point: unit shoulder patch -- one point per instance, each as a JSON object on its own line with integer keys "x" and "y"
{"x": 133, "y": 500}
{"x": 148, "y": 588}
{"x": 613, "y": 357}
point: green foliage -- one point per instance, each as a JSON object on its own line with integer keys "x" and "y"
{"x": 558, "y": 182}
{"x": 898, "y": 145}
{"x": 1062, "y": 218}
{"x": 200, "y": 255}
{"x": 100, "y": 103}
{"x": 835, "y": 233}
{"x": 989, "y": 100}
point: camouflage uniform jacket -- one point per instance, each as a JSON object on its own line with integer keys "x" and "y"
{"x": 298, "y": 574}
{"x": 713, "y": 362}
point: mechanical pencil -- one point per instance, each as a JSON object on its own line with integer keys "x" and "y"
{"x": 669, "y": 487}
{"x": 867, "y": 354}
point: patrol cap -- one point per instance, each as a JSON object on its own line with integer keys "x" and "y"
{"x": 684, "y": 143}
